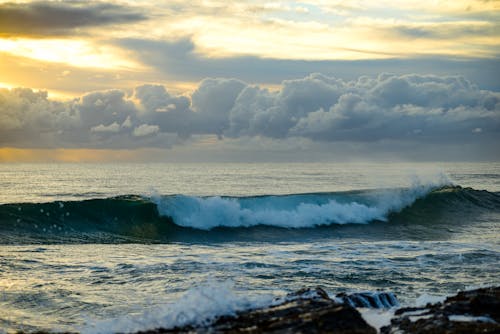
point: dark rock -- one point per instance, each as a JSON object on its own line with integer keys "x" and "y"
{"x": 480, "y": 302}
{"x": 308, "y": 293}
{"x": 475, "y": 311}
{"x": 306, "y": 311}
{"x": 312, "y": 311}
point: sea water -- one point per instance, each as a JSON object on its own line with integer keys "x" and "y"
{"x": 127, "y": 247}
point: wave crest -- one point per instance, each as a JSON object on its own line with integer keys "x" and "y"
{"x": 419, "y": 212}
{"x": 289, "y": 211}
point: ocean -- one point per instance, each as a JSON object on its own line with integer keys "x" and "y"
{"x": 103, "y": 248}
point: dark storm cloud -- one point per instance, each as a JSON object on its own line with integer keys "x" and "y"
{"x": 49, "y": 18}
{"x": 178, "y": 60}
{"x": 412, "y": 109}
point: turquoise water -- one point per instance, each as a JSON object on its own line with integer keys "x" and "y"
{"x": 103, "y": 248}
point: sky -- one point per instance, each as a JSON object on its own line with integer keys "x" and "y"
{"x": 209, "y": 80}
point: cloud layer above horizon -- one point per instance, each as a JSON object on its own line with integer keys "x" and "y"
{"x": 239, "y": 77}
{"x": 71, "y": 47}
{"x": 413, "y": 109}
{"x": 49, "y": 19}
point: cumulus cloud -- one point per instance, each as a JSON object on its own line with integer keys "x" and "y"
{"x": 213, "y": 101}
{"x": 56, "y": 18}
{"x": 404, "y": 108}
{"x": 412, "y": 109}
{"x": 127, "y": 123}
{"x": 114, "y": 127}
{"x": 145, "y": 130}
{"x": 29, "y": 118}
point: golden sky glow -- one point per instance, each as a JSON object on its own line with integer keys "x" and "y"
{"x": 289, "y": 30}
{"x": 8, "y": 154}
{"x": 79, "y": 53}
{"x": 99, "y": 60}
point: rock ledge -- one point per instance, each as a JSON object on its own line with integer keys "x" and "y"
{"x": 313, "y": 311}
{"x": 469, "y": 312}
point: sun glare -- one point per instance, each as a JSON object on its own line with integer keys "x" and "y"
{"x": 77, "y": 53}
{"x": 6, "y": 85}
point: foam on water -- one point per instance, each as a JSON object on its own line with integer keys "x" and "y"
{"x": 377, "y": 318}
{"x": 203, "y": 304}
{"x": 209, "y": 212}
{"x": 138, "y": 263}
{"x": 425, "y": 299}
{"x": 426, "y": 211}
{"x": 199, "y": 305}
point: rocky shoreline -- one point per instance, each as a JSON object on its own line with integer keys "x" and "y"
{"x": 475, "y": 311}
{"x": 313, "y": 311}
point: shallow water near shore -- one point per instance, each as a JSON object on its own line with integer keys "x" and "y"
{"x": 104, "y": 248}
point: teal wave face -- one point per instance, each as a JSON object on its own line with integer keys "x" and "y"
{"x": 120, "y": 219}
{"x": 414, "y": 213}
{"x": 446, "y": 202}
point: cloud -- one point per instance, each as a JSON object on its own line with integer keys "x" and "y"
{"x": 145, "y": 130}
{"x": 26, "y": 72}
{"x": 114, "y": 127}
{"x": 412, "y": 110}
{"x": 213, "y": 101}
{"x": 171, "y": 113}
{"x": 179, "y": 60}
{"x": 333, "y": 31}
{"x": 106, "y": 119}
{"x": 412, "y": 107}
{"x": 127, "y": 123}
{"x": 461, "y": 30}
{"x": 57, "y": 18}
{"x": 30, "y": 119}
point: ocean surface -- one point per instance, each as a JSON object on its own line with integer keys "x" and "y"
{"x": 102, "y": 248}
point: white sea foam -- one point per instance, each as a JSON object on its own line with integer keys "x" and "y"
{"x": 415, "y": 318}
{"x": 425, "y": 299}
{"x": 210, "y": 212}
{"x": 377, "y": 318}
{"x": 199, "y": 305}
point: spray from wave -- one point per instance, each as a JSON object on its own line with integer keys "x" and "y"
{"x": 292, "y": 211}
{"x": 200, "y": 305}
{"x": 419, "y": 212}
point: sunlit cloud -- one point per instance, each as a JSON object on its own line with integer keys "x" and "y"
{"x": 61, "y": 18}
{"x": 92, "y": 34}
{"x": 6, "y": 85}
{"x": 412, "y": 108}
{"x": 407, "y": 7}
{"x": 79, "y": 53}
{"x": 104, "y": 67}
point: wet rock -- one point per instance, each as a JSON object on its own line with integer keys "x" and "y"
{"x": 308, "y": 293}
{"x": 475, "y": 311}
{"x": 306, "y": 311}
{"x": 313, "y": 311}
{"x": 378, "y": 300}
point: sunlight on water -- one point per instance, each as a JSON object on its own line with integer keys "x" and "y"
{"x": 412, "y": 238}
{"x": 49, "y": 182}
{"x": 97, "y": 282}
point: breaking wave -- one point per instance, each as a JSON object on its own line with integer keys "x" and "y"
{"x": 185, "y": 218}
